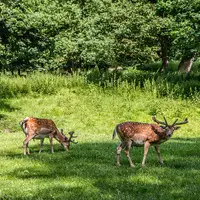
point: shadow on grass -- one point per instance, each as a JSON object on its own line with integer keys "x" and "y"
{"x": 4, "y": 105}
{"x": 88, "y": 171}
{"x": 89, "y": 154}
{"x": 2, "y": 116}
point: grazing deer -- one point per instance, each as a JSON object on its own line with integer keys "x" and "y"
{"x": 144, "y": 135}
{"x": 35, "y": 128}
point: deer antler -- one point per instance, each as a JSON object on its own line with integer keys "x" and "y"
{"x": 174, "y": 122}
{"x": 165, "y": 121}
{"x": 61, "y": 130}
{"x": 159, "y": 122}
{"x": 180, "y": 123}
{"x": 71, "y": 136}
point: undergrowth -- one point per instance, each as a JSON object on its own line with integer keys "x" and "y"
{"x": 172, "y": 84}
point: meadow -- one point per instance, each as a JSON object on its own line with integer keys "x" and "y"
{"x": 88, "y": 170}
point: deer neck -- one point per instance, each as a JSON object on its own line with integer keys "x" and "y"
{"x": 60, "y": 137}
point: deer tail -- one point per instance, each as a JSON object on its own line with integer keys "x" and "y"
{"x": 114, "y": 133}
{"x": 23, "y": 121}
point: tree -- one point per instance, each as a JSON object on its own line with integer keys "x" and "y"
{"x": 183, "y": 30}
{"x": 33, "y": 27}
{"x": 51, "y": 34}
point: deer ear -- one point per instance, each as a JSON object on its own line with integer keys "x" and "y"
{"x": 164, "y": 127}
{"x": 177, "y": 127}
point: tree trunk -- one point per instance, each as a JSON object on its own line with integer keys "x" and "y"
{"x": 165, "y": 63}
{"x": 18, "y": 71}
{"x": 186, "y": 64}
{"x": 164, "y": 52}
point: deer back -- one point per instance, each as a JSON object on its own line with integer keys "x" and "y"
{"x": 37, "y": 125}
{"x": 140, "y": 132}
{"x": 41, "y": 128}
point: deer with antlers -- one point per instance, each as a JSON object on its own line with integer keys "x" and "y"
{"x": 144, "y": 135}
{"x": 35, "y": 128}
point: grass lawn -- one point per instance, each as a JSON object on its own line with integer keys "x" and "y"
{"x": 88, "y": 170}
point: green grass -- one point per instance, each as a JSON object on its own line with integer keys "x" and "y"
{"x": 88, "y": 170}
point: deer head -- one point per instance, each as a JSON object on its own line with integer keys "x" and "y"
{"x": 69, "y": 140}
{"x": 169, "y": 129}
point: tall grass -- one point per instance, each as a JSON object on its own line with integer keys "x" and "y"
{"x": 36, "y": 83}
{"x": 171, "y": 84}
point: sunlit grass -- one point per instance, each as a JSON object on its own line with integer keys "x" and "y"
{"x": 88, "y": 170}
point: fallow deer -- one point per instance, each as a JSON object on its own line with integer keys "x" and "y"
{"x": 144, "y": 135}
{"x": 36, "y": 128}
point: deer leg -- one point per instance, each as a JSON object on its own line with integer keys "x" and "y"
{"x": 28, "y": 151}
{"x": 157, "y": 148}
{"x": 119, "y": 149}
{"x": 25, "y": 143}
{"x": 51, "y": 143}
{"x": 127, "y": 152}
{"x": 146, "y": 148}
{"x": 41, "y": 144}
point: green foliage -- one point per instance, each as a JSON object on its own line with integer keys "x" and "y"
{"x": 43, "y": 34}
{"x": 184, "y": 27}
{"x": 49, "y": 34}
{"x": 33, "y": 28}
